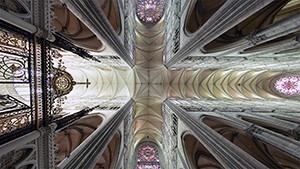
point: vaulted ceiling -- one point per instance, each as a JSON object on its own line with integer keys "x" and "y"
{"x": 149, "y": 82}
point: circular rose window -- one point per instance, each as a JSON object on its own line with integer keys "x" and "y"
{"x": 150, "y": 11}
{"x": 288, "y": 85}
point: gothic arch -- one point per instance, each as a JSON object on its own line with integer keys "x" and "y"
{"x": 72, "y": 136}
{"x": 263, "y": 152}
{"x": 18, "y": 158}
{"x": 69, "y": 26}
{"x": 271, "y": 126}
{"x": 17, "y": 8}
{"x": 199, "y": 12}
{"x": 256, "y": 22}
{"x": 111, "y": 10}
{"x": 110, "y": 155}
{"x": 197, "y": 155}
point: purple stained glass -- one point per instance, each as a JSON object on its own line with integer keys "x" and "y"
{"x": 148, "y": 158}
{"x": 150, "y": 11}
{"x": 148, "y": 166}
{"x": 289, "y": 85}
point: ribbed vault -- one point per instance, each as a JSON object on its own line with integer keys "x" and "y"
{"x": 149, "y": 82}
{"x": 104, "y": 83}
{"x": 222, "y": 84}
{"x": 150, "y": 75}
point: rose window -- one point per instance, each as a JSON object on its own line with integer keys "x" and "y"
{"x": 148, "y": 158}
{"x": 150, "y": 11}
{"x": 288, "y": 85}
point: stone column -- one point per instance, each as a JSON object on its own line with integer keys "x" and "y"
{"x": 286, "y": 126}
{"x": 228, "y": 154}
{"x": 283, "y": 143}
{"x": 87, "y": 153}
{"x": 284, "y": 27}
{"x": 226, "y": 17}
{"x": 90, "y": 13}
{"x": 120, "y": 157}
{"x": 276, "y": 47}
{"x": 42, "y": 16}
{"x": 46, "y": 146}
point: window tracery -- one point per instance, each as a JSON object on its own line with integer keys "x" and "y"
{"x": 150, "y": 11}
{"x": 148, "y": 158}
{"x": 288, "y": 85}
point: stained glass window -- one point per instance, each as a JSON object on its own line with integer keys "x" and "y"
{"x": 150, "y": 11}
{"x": 288, "y": 85}
{"x": 148, "y": 158}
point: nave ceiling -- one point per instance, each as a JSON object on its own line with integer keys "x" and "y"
{"x": 209, "y": 59}
{"x": 149, "y": 82}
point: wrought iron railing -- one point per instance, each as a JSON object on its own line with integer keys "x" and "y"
{"x": 17, "y": 109}
{"x": 16, "y": 118}
{"x": 13, "y": 114}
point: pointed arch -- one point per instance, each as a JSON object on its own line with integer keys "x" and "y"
{"x": 69, "y": 26}
{"x": 197, "y": 155}
{"x": 256, "y": 22}
{"x": 110, "y": 155}
{"x": 112, "y": 12}
{"x": 270, "y": 156}
{"x": 199, "y": 12}
{"x": 72, "y": 136}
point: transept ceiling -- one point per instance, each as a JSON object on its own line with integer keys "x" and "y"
{"x": 93, "y": 74}
{"x": 149, "y": 82}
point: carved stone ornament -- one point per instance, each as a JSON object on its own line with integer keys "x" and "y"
{"x": 62, "y": 83}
